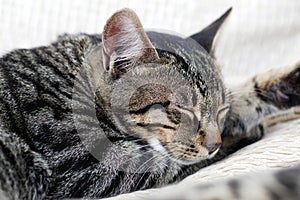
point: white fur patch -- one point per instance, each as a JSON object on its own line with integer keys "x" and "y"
{"x": 155, "y": 143}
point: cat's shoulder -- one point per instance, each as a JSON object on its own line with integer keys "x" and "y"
{"x": 93, "y": 39}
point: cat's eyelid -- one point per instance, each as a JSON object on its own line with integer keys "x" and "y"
{"x": 183, "y": 108}
{"x": 221, "y": 114}
{"x": 223, "y": 108}
{"x": 186, "y": 110}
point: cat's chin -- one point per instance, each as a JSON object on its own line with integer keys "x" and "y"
{"x": 192, "y": 161}
{"x": 187, "y": 161}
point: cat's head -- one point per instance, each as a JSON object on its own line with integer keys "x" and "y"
{"x": 163, "y": 89}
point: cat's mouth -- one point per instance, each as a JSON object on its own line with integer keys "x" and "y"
{"x": 183, "y": 156}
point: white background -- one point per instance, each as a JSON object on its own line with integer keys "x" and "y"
{"x": 259, "y": 34}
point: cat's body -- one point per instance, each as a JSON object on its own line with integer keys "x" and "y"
{"x": 69, "y": 169}
{"x": 54, "y": 103}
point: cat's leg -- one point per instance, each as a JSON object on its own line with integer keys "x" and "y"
{"x": 281, "y": 116}
{"x": 267, "y": 99}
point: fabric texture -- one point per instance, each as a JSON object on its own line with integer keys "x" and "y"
{"x": 258, "y": 35}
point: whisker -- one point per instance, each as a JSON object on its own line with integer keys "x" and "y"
{"x": 143, "y": 153}
{"x": 141, "y": 139}
{"x": 144, "y": 164}
{"x": 139, "y": 148}
{"x": 157, "y": 161}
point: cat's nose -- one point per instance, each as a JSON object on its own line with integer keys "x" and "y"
{"x": 212, "y": 147}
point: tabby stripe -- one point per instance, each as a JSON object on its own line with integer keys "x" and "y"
{"x": 180, "y": 174}
{"x": 54, "y": 93}
{"x": 73, "y": 162}
{"x": 184, "y": 68}
{"x": 76, "y": 52}
{"x": 54, "y": 64}
{"x": 83, "y": 92}
{"x": 287, "y": 178}
{"x": 8, "y": 153}
{"x": 34, "y": 79}
{"x": 145, "y": 181}
{"x": 13, "y": 110}
{"x": 259, "y": 94}
{"x": 85, "y": 111}
{"x": 114, "y": 183}
{"x": 235, "y": 188}
{"x": 78, "y": 190}
{"x": 63, "y": 64}
{"x": 274, "y": 194}
{"x": 42, "y": 61}
{"x": 13, "y": 119}
{"x": 67, "y": 57}
{"x": 12, "y": 170}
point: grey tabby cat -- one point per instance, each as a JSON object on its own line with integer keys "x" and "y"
{"x": 100, "y": 115}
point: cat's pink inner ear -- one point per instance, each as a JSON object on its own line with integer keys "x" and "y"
{"x": 125, "y": 39}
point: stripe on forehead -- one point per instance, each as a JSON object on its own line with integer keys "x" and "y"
{"x": 148, "y": 95}
{"x": 192, "y": 74}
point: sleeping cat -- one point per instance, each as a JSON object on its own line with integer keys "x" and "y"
{"x": 99, "y": 115}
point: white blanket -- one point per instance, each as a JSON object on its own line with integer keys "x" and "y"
{"x": 258, "y": 35}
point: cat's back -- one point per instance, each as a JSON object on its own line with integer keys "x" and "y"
{"x": 36, "y": 92}
{"x": 37, "y": 131}
{"x": 31, "y": 79}
{"x": 36, "y": 89}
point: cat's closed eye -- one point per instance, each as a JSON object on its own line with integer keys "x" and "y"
{"x": 221, "y": 115}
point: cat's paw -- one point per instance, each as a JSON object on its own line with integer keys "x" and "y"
{"x": 282, "y": 116}
{"x": 281, "y": 87}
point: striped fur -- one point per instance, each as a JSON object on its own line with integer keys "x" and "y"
{"x": 59, "y": 141}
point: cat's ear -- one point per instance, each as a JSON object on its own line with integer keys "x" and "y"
{"x": 207, "y": 36}
{"x": 125, "y": 42}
